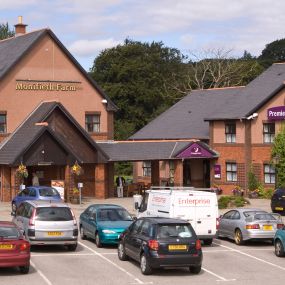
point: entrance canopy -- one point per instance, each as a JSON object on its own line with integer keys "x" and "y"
{"x": 156, "y": 150}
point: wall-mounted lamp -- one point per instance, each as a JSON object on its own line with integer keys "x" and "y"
{"x": 253, "y": 116}
{"x": 104, "y": 101}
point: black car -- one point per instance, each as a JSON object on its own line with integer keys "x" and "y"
{"x": 278, "y": 201}
{"x": 161, "y": 242}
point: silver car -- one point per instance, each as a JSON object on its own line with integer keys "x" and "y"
{"x": 46, "y": 223}
{"x": 244, "y": 224}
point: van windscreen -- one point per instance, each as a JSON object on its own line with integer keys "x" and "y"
{"x": 54, "y": 214}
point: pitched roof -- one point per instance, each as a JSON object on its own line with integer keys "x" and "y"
{"x": 13, "y": 49}
{"x": 29, "y": 131}
{"x": 139, "y": 151}
{"x": 253, "y": 96}
{"x": 185, "y": 119}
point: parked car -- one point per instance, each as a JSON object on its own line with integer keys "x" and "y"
{"x": 14, "y": 249}
{"x": 244, "y": 224}
{"x": 278, "y": 201}
{"x": 104, "y": 223}
{"x": 36, "y": 193}
{"x": 157, "y": 242}
{"x": 46, "y": 223}
{"x": 279, "y": 242}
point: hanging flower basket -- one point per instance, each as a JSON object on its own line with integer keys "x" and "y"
{"x": 22, "y": 171}
{"x": 76, "y": 169}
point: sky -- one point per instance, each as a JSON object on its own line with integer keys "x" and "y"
{"x": 87, "y": 27}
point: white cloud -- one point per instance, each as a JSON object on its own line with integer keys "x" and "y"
{"x": 91, "y": 47}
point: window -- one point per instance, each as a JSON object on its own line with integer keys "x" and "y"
{"x": 92, "y": 123}
{"x": 3, "y": 123}
{"x": 146, "y": 168}
{"x": 231, "y": 171}
{"x": 269, "y": 174}
{"x": 171, "y": 172}
{"x": 230, "y": 130}
{"x": 268, "y": 132}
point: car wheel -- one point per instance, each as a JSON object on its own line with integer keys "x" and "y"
{"x": 82, "y": 234}
{"x": 238, "y": 237}
{"x": 24, "y": 269}
{"x": 14, "y": 207}
{"x": 72, "y": 247}
{"x": 122, "y": 252}
{"x": 195, "y": 269}
{"x": 208, "y": 241}
{"x": 279, "y": 249}
{"x": 145, "y": 266}
{"x": 97, "y": 240}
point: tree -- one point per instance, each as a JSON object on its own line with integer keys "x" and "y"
{"x": 5, "y": 31}
{"x": 273, "y": 52}
{"x": 134, "y": 76}
{"x": 278, "y": 157}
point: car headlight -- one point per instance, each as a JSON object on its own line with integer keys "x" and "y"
{"x": 108, "y": 232}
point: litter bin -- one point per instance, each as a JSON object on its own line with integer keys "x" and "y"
{"x": 137, "y": 200}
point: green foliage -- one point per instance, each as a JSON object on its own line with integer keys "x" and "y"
{"x": 278, "y": 152}
{"x": 124, "y": 168}
{"x": 265, "y": 193}
{"x": 253, "y": 182}
{"x": 273, "y": 52}
{"x": 231, "y": 202}
{"x": 5, "y": 31}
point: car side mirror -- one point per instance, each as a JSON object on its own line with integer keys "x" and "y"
{"x": 135, "y": 218}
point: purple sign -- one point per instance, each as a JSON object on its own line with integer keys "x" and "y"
{"x": 194, "y": 150}
{"x": 217, "y": 170}
{"x": 276, "y": 113}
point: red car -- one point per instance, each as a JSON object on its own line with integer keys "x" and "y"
{"x": 14, "y": 249}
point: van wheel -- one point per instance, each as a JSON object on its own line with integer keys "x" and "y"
{"x": 208, "y": 241}
{"x": 195, "y": 269}
{"x": 72, "y": 247}
{"x": 238, "y": 237}
{"x": 82, "y": 234}
{"x": 98, "y": 241}
{"x": 145, "y": 266}
{"x": 24, "y": 269}
{"x": 279, "y": 249}
{"x": 122, "y": 252}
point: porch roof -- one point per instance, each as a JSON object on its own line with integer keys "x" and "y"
{"x": 154, "y": 150}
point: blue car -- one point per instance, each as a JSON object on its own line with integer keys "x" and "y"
{"x": 45, "y": 193}
{"x": 279, "y": 242}
{"x": 104, "y": 223}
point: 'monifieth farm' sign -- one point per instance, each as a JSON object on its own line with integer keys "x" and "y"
{"x": 46, "y": 86}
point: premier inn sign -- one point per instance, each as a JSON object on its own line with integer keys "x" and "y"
{"x": 46, "y": 86}
{"x": 276, "y": 113}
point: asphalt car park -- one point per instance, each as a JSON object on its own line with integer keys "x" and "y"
{"x": 224, "y": 261}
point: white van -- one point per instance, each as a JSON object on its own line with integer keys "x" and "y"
{"x": 200, "y": 208}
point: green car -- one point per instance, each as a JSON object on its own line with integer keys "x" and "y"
{"x": 104, "y": 223}
{"x": 279, "y": 242}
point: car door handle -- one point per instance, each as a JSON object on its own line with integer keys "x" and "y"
{"x": 199, "y": 222}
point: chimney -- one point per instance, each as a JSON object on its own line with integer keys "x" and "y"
{"x": 20, "y": 28}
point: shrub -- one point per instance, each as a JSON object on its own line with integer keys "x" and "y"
{"x": 265, "y": 193}
{"x": 232, "y": 201}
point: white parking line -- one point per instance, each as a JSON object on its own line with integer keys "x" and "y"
{"x": 218, "y": 276}
{"x": 61, "y": 254}
{"x": 41, "y": 274}
{"x": 251, "y": 256}
{"x": 138, "y": 281}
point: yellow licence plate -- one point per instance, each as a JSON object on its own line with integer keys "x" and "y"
{"x": 177, "y": 247}
{"x": 54, "y": 233}
{"x": 279, "y": 208}
{"x": 267, "y": 227}
{"x": 6, "y": 246}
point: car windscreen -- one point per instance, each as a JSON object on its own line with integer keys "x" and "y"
{"x": 54, "y": 214}
{"x": 258, "y": 215}
{"x": 48, "y": 192}
{"x": 113, "y": 215}
{"x": 9, "y": 233}
{"x": 174, "y": 230}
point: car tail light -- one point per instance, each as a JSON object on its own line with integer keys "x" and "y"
{"x": 153, "y": 244}
{"x": 280, "y": 226}
{"x": 217, "y": 223}
{"x": 32, "y": 219}
{"x": 24, "y": 246}
{"x": 252, "y": 227}
{"x": 198, "y": 244}
{"x": 74, "y": 219}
